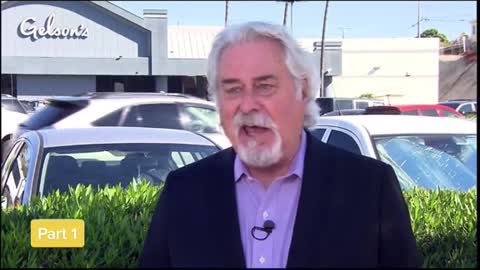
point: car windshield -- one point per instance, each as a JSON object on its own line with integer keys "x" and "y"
{"x": 431, "y": 161}
{"x": 114, "y": 164}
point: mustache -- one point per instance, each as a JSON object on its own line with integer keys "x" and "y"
{"x": 253, "y": 119}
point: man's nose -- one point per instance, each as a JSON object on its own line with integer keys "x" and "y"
{"x": 248, "y": 103}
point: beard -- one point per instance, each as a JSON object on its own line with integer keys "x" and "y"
{"x": 251, "y": 152}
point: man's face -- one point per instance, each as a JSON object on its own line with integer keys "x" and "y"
{"x": 259, "y": 109}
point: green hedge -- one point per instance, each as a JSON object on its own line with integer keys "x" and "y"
{"x": 116, "y": 222}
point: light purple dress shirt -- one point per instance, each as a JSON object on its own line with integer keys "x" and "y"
{"x": 278, "y": 203}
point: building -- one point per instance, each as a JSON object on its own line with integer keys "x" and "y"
{"x": 73, "y": 47}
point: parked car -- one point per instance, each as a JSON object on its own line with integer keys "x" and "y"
{"x": 463, "y": 106}
{"x": 425, "y": 152}
{"x": 328, "y": 104}
{"x": 425, "y": 110}
{"x": 159, "y": 110}
{"x": 10, "y": 121}
{"x": 429, "y": 110}
{"x": 43, "y": 161}
{"x": 154, "y": 110}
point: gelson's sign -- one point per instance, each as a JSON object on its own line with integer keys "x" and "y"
{"x": 27, "y": 29}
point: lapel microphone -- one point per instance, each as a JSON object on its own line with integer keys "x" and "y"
{"x": 268, "y": 227}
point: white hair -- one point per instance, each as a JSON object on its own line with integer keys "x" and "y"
{"x": 299, "y": 63}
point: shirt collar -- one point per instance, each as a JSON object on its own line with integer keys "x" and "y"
{"x": 296, "y": 168}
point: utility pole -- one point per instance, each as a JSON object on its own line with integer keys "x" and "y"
{"x": 291, "y": 16}
{"x": 285, "y": 14}
{"x": 418, "y": 19}
{"x": 226, "y": 13}
{"x": 322, "y": 90}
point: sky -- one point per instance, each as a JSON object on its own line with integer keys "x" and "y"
{"x": 352, "y": 19}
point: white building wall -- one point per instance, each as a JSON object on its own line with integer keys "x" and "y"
{"x": 401, "y": 71}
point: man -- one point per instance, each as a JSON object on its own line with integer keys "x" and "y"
{"x": 279, "y": 197}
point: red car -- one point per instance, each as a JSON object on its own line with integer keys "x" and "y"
{"x": 425, "y": 110}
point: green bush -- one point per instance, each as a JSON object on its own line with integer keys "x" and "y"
{"x": 116, "y": 223}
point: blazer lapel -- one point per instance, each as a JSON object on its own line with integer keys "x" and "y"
{"x": 223, "y": 214}
{"x": 312, "y": 213}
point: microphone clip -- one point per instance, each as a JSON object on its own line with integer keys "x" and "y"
{"x": 268, "y": 227}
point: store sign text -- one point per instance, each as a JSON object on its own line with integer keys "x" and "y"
{"x": 29, "y": 30}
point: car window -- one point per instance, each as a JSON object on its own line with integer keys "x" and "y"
{"x": 449, "y": 114}
{"x": 452, "y": 105}
{"x": 343, "y": 104}
{"x": 109, "y": 120}
{"x": 475, "y": 106}
{"x": 343, "y": 141}
{"x": 430, "y": 112}
{"x": 200, "y": 119}
{"x": 325, "y": 105}
{"x": 160, "y": 115}
{"x": 361, "y": 104}
{"x": 411, "y": 112}
{"x": 15, "y": 171}
{"x": 318, "y": 133}
{"x": 114, "y": 164}
{"x": 465, "y": 108}
{"x": 377, "y": 103}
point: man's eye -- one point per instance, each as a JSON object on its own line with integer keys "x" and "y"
{"x": 266, "y": 89}
{"x": 232, "y": 90}
{"x": 266, "y": 86}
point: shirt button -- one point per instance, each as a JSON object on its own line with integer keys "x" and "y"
{"x": 262, "y": 260}
{"x": 265, "y": 215}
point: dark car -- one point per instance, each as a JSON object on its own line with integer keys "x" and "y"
{"x": 422, "y": 110}
{"x": 463, "y": 106}
{"x": 328, "y": 104}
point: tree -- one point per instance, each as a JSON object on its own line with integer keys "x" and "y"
{"x": 434, "y": 33}
{"x": 367, "y": 96}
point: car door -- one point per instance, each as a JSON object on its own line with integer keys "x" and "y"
{"x": 18, "y": 174}
{"x": 353, "y": 139}
{"x": 429, "y": 112}
{"x": 344, "y": 139}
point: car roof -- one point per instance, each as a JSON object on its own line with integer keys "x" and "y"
{"x": 113, "y": 135}
{"x": 421, "y": 106}
{"x": 153, "y": 99}
{"x": 402, "y": 124}
{"x": 458, "y": 101}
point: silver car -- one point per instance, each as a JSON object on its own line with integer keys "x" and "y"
{"x": 43, "y": 161}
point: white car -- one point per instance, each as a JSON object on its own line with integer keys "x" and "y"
{"x": 49, "y": 159}
{"x": 425, "y": 152}
{"x": 154, "y": 110}
{"x": 10, "y": 122}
